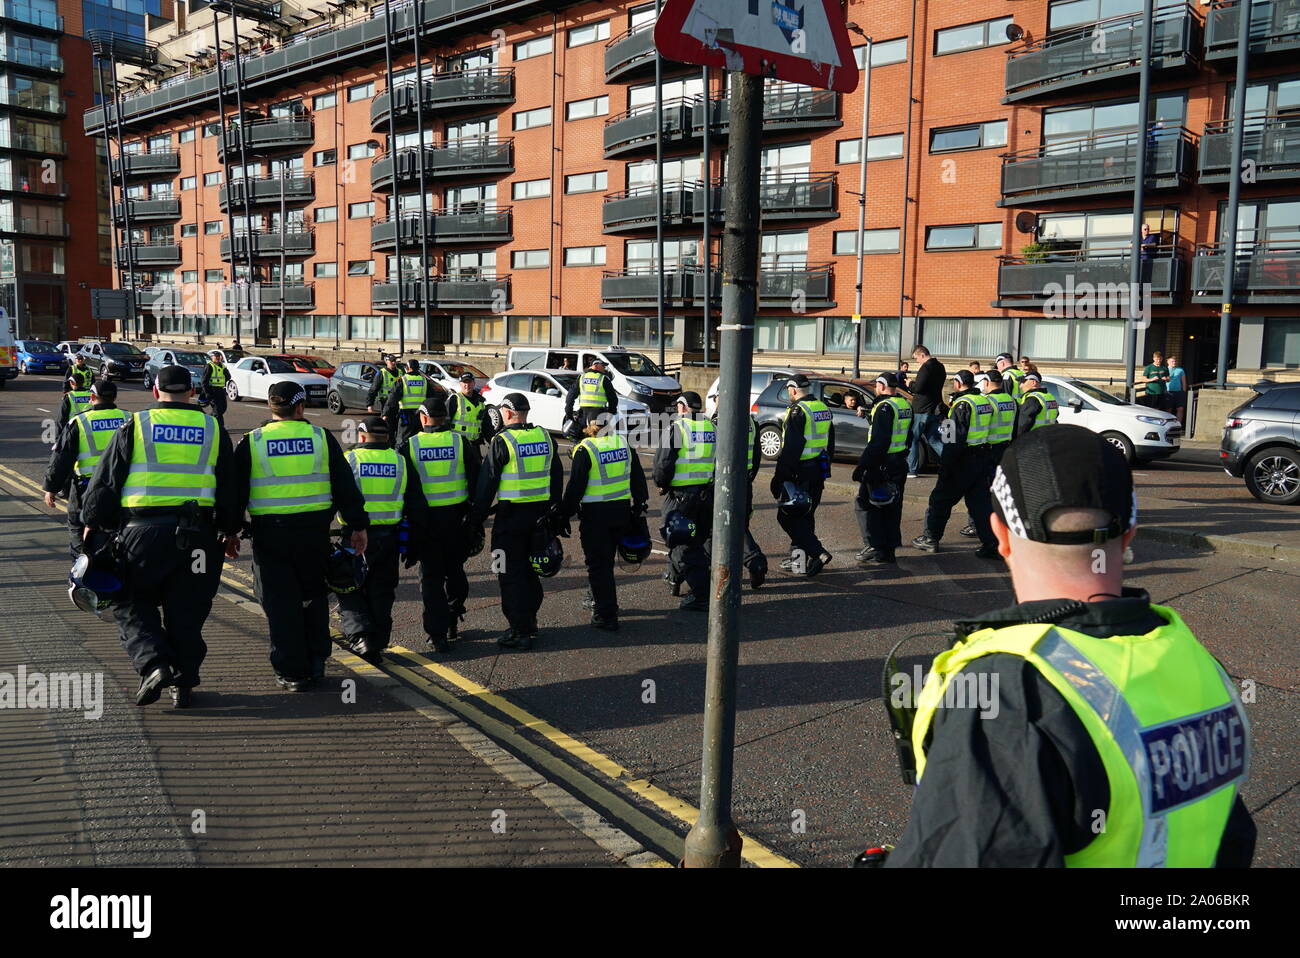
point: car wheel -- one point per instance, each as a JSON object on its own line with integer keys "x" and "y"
{"x": 335, "y": 403}
{"x": 22, "y": 368}
{"x": 494, "y": 417}
{"x": 769, "y": 442}
{"x": 232, "y": 391}
{"x": 1122, "y": 443}
{"x": 1273, "y": 475}
{"x": 148, "y": 382}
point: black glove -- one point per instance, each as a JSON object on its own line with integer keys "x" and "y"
{"x": 639, "y": 509}
{"x": 777, "y": 486}
{"x": 857, "y": 474}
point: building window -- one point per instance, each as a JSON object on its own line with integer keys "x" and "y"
{"x": 485, "y": 329}
{"x": 362, "y": 91}
{"x": 880, "y": 334}
{"x": 213, "y": 275}
{"x": 187, "y": 136}
{"x": 324, "y": 157}
{"x": 972, "y": 236}
{"x": 530, "y": 259}
{"x": 212, "y": 179}
{"x": 162, "y": 143}
{"x": 189, "y": 276}
{"x": 643, "y": 331}
{"x": 584, "y": 256}
{"x": 325, "y": 270}
{"x": 361, "y": 151}
{"x": 973, "y": 136}
{"x": 784, "y": 250}
{"x": 361, "y": 211}
{"x": 883, "y": 53}
{"x": 323, "y": 101}
{"x": 530, "y": 329}
{"x": 586, "y": 182}
{"x": 588, "y": 330}
{"x": 189, "y": 182}
{"x": 210, "y": 129}
{"x": 888, "y": 146}
{"x": 967, "y": 337}
{"x": 531, "y": 119}
{"x": 213, "y": 226}
{"x": 1282, "y": 342}
{"x": 189, "y": 229}
{"x": 786, "y": 334}
{"x": 326, "y": 214}
{"x": 536, "y": 47}
{"x": 530, "y": 189}
{"x": 874, "y": 241}
{"x": 361, "y": 267}
{"x": 1083, "y": 339}
{"x": 972, "y": 36}
{"x": 585, "y": 109}
{"x": 588, "y": 33}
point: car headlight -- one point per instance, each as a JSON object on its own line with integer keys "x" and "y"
{"x": 1152, "y": 420}
{"x": 641, "y": 390}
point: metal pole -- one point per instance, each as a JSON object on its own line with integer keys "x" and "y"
{"x": 1139, "y": 201}
{"x": 418, "y": 19}
{"x": 713, "y": 841}
{"x": 243, "y": 162}
{"x": 862, "y": 209}
{"x": 283, "y": 265}
{"x": 225, "y": 165}
{"x": 396, "y": 194}
{"x": 1234, "y": 190}
{"x": 118, "y": 258}
{"x": 708, "y": 214}
{"x": 130, "y": 324}
{"x": 659, "y": 193}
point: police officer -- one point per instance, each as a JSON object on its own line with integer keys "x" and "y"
{"x": 469, "y": 414}
{"x": 77, "y": 452}
{"x": 1011, "y": 374}
{"x": 523, "y": 474}
{"x": 683, "y": 470}
{"x": 403, "y": 407}
{"x": 607, "y": 488}
{"x": 381, "y": 474}
{"x": 591, "y": 396}
{"x": 444, "y": 469}
{"x": 80, "y": 376}
{"x": 883, "y": 460}
{"x": 165, "y": 486}
{"x": 76, "y": 399}
{"x": 382, "y": 385}
{"x": 963, "y": 467}
{"x": 1038, "y": 407}
{"x": 754, "y": 559}
{"x": 1107, "y": 707}
{"x": 215, "y": 377}
{"x": 807, "y": 445}
{"x": 992, "y": 386}
{"x": 291, "y": 477}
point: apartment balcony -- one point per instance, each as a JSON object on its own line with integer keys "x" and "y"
{"x": 153, "y": 253}
{"x": 26, "y": 17}
{"x": 291, "y": 242}
{"x": 1274, "y": 30}
{"x": 33, "y": 143}
{"x": 1096, "y": 166}
{"x": 159, "y": 210}
{"x": 1270, "y": 143}
{"x": 778, "y": 287}
{"x": 267, "y": 135}
{"x": 1082, "y": 57}
{"x": 444, "y": 93}
{"x": 34, "y": 227}
{"x": 1095, "y": 279}
{"x": 294, "y": 295}
{"x": 468, "y": 291}
{"x": 631, "y": 55}
{"x": 30, "y": 102}
{"x": 474, "y": 226}
{"x": 797, "y": 196}
{"x": 30, "y": 59}
{"x": 264, "y": 190}
{"x": 450, "y": 159}
{"x": 161, "y": 163}
{"x": 160, "y": 300}
{"x": 1264, "y": 273}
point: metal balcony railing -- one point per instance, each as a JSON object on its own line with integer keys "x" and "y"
{"x": 444, "y": 92}
{"x": 478, "y": 290}
{"x": 473, "y": 156}
{"x": 296, "y": 295}
{"x": 1271, "y": 144}
{"x": 33, "y": 226}
{"x": 298, "y": 241}
{"x": 1100, "y": 271}
{"x": 25, "y": 57}
{"x": 631, "y": 52}
{"x": 157, "y": 163}
{"x": 787, "y": 196}
{"x": 33, "y": 142}
{"x": 444, "y": 226}
{"x": 1093, "y": 165}
{"x": 260, "y": 190}
{"x": 267, "y": 135}
{"x": 778, "y": 286}
{"x": 147, "y": 253}
{"x": 36, "y": 15}
{"x": 148, "y": 210}
{"x": 26, "y": 100}
{"x": 1264, "y": 273}
{"x": 1274, "y": 28}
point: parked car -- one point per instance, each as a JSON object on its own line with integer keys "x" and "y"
{"x": 252, "y": 376}
{"x": 448, "y": 370}
{"x": 758, "y": 381}
{"x": 1261, "y": 443}
{"x": 1141, "y": 433}
{"x": 546, "y": 392}
{"x": 350, "y": 386}
{"x": 306, "y": 364}
{"x": 114, "y": 360}
{"x": 635, "y": 375}
{"x": 69, "y": 348}
{"x": 8, "y": 354}
{"x": 770, "y": 407}
{"x": 166, "y": 356}
{"x": 39, "y": 356}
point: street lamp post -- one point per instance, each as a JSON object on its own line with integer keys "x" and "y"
{"x": 862, "y": 201}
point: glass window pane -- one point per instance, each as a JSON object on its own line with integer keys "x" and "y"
{"x": 959, "y": 38}
{"x": 840, "y": 331}
{"x": 767, "y": 334}
{"x": 1282, "y": 342}
{"x": 990, "y": 235}
{"x": 881, "y": 335}
{"x": 1098, "y": 340}
{"x": 1046, "y": 338}
{"x": 801, "y": 334}
{"x": 986, "y": 337}
{"x": 942, "y": 336}
{"x": 950, "y": 237}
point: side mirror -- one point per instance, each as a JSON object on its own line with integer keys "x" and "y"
{"x": 1076, "y": 405}
{"x": 552, "y": 392}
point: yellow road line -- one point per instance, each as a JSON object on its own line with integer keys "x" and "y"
{"x": 23, "y": 483}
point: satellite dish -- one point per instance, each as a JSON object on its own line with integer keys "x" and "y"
{"x": 1014, "y": 32}
{"x": 1026, "y": 222}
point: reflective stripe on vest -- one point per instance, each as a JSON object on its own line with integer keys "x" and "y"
{"x": 466, "y": 419}
{"x": 749, "y": 446}
{"x": 173, "y": 461}
{"x": 440, "y": 465}
{"x": 85, "y": 376}
{"x": 591, "y": 391}
{"x": 610, "y": 475}
{"x": 95, "y": 428}
{"x": 1004, "y": 417}
{"x": 981, "y": 417}
{"x": 527, "y": 473}
{"x": 216, "y": 375}
{"x": 1165, "y": 720}
{"x": 1014, "y": 374}
{"x": 387, "y": 380}
{"x": 695, "y": 460}
{"x": 413, "y": 392}
{"x": 1050, "y": 408}
{"x": 381, "y": 477}
{"x": 902, "y": 422}
{"x": 816, "y": 427}
{"x": 80, "y": 400}
{"x": 290, "y": 470}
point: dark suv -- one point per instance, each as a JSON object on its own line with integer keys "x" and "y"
{"x": 1261, "y": 443}
{"x": 850, "y": 430}
{"x": 350, "y": 386}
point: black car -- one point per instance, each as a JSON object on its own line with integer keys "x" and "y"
{"x": 350, "y": 386}
{"x": 1261, "y": 443}
{"x": 114, "y": 360}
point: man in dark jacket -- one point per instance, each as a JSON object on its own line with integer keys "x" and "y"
{"x": 386, "y": 377}
{"x": 926, "y": 393}
{"x": 807, "y": 446}
{"x": 77, "y": 452}
{"x": 215, "y": 377}
{"x": 883, "y": 461}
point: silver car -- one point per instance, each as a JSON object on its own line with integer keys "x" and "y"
{"x": 1261, "y": 443}
{"x": 166, "y": 356}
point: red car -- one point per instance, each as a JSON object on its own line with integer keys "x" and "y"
{"x": 307, "y": 364}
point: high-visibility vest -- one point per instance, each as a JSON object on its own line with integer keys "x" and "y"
{"x": 1050, "y": 410}
{"x": 749, "y": 446}
{"x": 290, "y": 469}
{"x": 78, "y": 402}
{"x": 610, "y": 475}
{"x": 1004, "y": 417}
{"x": 695, "y": 460}
{"x": 413, "y": 392}
{"x": 1165, "y": 720}
{"x": 902, "y": 427}
{"x": 217, "y": 375}
{"x": 591, "y": 391}
{"x": 387, "y": 380}
{"x": 381, "y": 477}
{"x": 440, "y": 465}
{"x": 816, "y": 427}
{"x": 527, "y": 473}
{"x": 1015, "y": 375}
{"x": 981, "y": 417}
{"x": 174, "y": 459}
{"x": 84, "y": 376}
{"x": 467, "y": 418}
{"x": 94, "y": 430}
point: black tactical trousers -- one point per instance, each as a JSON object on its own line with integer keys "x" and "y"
{"x": 881, "y": 527}
{"x": 963, "y": 476}
{"x": 802, "y": 530}
{"x": 601, "y": 526}
{"x": 289, "y": 563}
{"x": 443, "y": 585}
{"x": 512, "y": 540}
{"x": 690, "y": 563}
{"x": 369, "y": 610}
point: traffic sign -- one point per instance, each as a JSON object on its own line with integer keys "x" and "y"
{"x": 110, "y": 304}
{"x": 802, "y": 41}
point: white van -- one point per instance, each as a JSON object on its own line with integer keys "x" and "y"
{"x": 1139, "y": 432}
{"x": 8, "y": 352}
{"x": 635, "y": 375}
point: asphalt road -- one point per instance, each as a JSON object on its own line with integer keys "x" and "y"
{"x": 816, "y": 775}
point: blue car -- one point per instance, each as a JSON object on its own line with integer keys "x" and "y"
{"x": 38, "y": 356}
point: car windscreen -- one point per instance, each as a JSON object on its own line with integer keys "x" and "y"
{"x": 279, "y": 366}
{"x": 312, "y": 362}
{"x": 121, "y": 349}
{"x": 634, "y": 364}
{"x": 39, "y": 346}
{"x": 190, "y": 359}
{"x": 455, "y": 370}
{"x": 1095, "y": 394}
{"x": 566, "y": 380}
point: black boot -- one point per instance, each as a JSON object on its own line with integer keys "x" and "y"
{"x": 152, "y": 683}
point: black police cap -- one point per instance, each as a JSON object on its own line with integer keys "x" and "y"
{"x": 174, "y": 379}
{"x": 285, "y": 394}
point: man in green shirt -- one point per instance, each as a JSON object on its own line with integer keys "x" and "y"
{"x": 1156, "y": 378}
